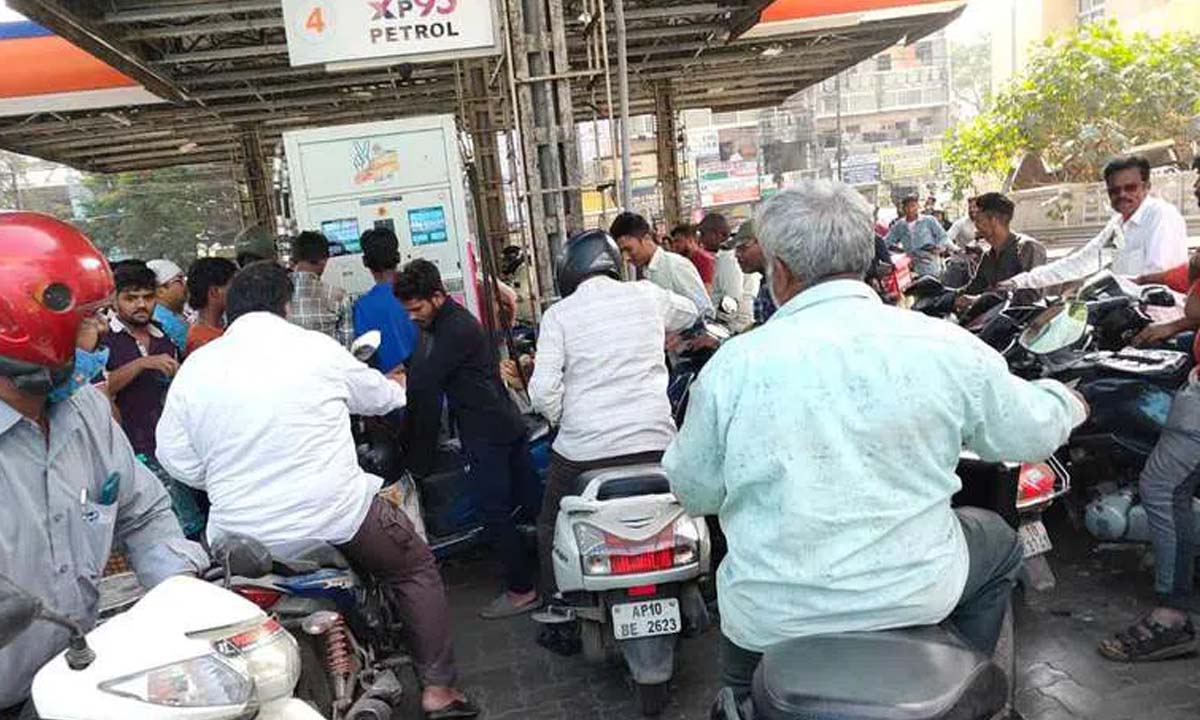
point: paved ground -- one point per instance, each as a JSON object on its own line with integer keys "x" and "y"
{"x": 1061, "y": 676}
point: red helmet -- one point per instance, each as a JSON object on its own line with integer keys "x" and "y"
{"x": 51, "y": 277}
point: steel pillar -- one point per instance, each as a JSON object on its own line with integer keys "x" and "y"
{"x": 483, "y": 114}
{"x": 666, "y": 131}
{"x": 537, "y": 53}
{"x": 257, "y": 202}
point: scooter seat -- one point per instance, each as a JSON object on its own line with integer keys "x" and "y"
{"x": 302, "y": 557}
{"x": 916, "y": 674}
{"x": 625, "y": 482}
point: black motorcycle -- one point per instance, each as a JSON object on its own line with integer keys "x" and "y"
{"x": 1085, "y": 344}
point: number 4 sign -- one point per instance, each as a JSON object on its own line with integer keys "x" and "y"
{"x": 328, "y": 32}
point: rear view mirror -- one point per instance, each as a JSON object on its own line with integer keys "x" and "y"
{"x": 1158, "y": 296}
{"x": 1056, "y": 329}
{"x": 18, "y": 610}
{"x": 366, "y": 345}
{"x": 243, "y": 556}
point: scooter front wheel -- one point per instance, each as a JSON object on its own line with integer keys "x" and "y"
{"x": 653, "y": 699}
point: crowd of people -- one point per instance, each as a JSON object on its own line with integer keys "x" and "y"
{"x": 180, "y": 408}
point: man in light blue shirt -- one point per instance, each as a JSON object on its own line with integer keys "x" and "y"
{"x": 922, "y": 237}
{"x": 827, "y": 440}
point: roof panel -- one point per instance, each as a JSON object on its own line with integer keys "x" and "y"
{"x": 228, "y": 59}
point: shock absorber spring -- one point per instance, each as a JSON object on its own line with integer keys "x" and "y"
{"x": 339, "y": 655}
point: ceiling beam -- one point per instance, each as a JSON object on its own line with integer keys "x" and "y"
{"x": 80, "y": 32}
{"x": 222, "y": 54}
{"x": 222, "y": 27}
{"x": 159, "y": 12}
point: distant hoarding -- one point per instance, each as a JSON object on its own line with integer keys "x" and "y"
{"x": 860, "y": 169}
{"x": 353, "y": 31}
{"x": 910, "y": 162}
{"x": 726, "y": 182}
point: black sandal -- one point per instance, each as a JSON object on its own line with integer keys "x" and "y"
{"x": 1148, "y": 640}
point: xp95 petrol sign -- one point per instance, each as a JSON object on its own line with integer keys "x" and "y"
{"x": 340, "y": 31}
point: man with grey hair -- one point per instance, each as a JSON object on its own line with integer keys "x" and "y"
{"x": 827, "y": 445}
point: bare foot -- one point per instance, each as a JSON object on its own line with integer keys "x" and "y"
{"x": 521, "y": 599}
{"x": 1169, "y": 617}
{"x": 436, "y": 697}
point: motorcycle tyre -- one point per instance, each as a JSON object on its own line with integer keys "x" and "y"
{"x": 409, "y": 707}
{"x": 314, "y": 686}
{"x": 1005, "y": 657}
{"x": 653, "y": 699}
{"x": 591, "y": 637}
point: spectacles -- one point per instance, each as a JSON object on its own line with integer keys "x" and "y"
{"x": 1126, "y": 189}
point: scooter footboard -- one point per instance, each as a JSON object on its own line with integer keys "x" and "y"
{"x": 651, "y": 660}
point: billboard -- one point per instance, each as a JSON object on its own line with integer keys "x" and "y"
{"x": 727, "y": 182}
{"x": 362, "y": 31}
{"x": 911, "y": 162}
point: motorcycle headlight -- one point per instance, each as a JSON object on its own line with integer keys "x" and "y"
{"x": 206, "y": 681}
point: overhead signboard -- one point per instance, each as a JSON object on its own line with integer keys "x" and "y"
{"x": 334, "y": 32}
{"x": 788, "y": 17}
{"x": 66, "y": 78}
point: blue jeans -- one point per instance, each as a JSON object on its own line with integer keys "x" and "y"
{"x": 1168, "y": 485}
{"x": 503, "y": 481}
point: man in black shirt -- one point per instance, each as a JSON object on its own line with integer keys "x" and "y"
{"x": 1009, "y": 254}
{"x": 455, "y": 358}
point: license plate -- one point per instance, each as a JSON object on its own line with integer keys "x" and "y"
{"x": 646, "y": 619}
{"x": 1034, "y": 538}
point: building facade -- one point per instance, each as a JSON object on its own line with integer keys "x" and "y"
{"x": 1019, "y": 26}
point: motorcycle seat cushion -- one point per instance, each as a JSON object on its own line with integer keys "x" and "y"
{"x": 923, "y": 673}
{"x": 302, "y": 557}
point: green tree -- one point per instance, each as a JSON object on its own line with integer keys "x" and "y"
{"x": 161, "y": 213}
{"x": 1084, "y": 97}
{"x": 971, "y": 75}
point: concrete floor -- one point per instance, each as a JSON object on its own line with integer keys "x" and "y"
{"x": 1061, "y": 677}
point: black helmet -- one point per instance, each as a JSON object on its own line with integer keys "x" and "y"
{"x": 591, "y": 252}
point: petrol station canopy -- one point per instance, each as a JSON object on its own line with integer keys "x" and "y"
{"x": 112, "y": 85}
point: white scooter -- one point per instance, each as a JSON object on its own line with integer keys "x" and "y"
{"x": 188, "y": 649}
{"x": 629, "y": 560}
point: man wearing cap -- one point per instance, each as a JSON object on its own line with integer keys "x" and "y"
{"x": 170, "y": 299}
{"x": 750, "y": 259}
{"x": 731, "y": 282}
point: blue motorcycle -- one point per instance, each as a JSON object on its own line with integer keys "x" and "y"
{"x": 352, "y": 664}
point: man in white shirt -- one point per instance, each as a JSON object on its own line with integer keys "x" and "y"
{"x": 665, "y": 269}
{"x": 1146, "y": 235}
{"x": 963, "y": 232}
{"x": 260, "y": 420}
{"x": 731, "y": 282}
{"x": 600, "y": 373}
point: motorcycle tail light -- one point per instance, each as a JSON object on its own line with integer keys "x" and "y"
{"x": 604, "y": 553}
{"x": 265, "y": 598}
{"x": 269, "y": 652}
{"x": 1035, "y": 484}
